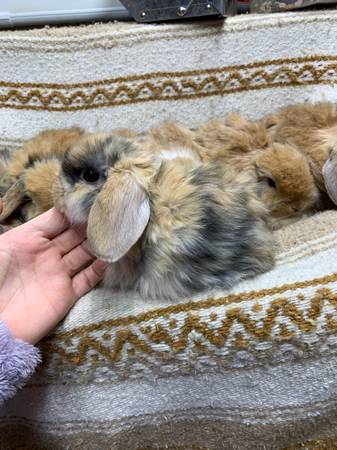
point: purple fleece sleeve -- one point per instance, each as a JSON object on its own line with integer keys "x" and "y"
{"x": 18, "y": 361}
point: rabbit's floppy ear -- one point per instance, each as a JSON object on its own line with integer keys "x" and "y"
{"x": 12, "y": 199}
{"x": 118, "y": 217}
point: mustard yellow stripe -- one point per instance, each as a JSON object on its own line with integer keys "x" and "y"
{"x": 199, "y": 305}
{"x": 166, "y": 86}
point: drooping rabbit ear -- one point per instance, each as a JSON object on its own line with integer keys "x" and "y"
{"x": 118, "y": 216}
{"x": 12, "y": 199}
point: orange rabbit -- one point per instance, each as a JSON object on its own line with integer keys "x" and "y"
{"x": 287, "y": 185}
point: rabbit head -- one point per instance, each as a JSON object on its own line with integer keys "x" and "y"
{"x": 286, "y": 184}
{"x": 169, "y": 226}
{"x": 311, "y": 128}
{"x": 284, "y": 174}
{"x": 31, "y": 173}
{"x": 104, "y": 182}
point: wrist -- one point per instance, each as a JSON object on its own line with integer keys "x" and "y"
{"x": 18, "y": 325}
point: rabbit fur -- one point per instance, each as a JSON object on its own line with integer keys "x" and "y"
{"x": 27, "y": 178}
{"x": 287, "y": 185}
{"x": 169, "y": 224}
{"x": 28, "y": 175}
{"x": 273, "y": 151}
{"x": 309, "y": 127}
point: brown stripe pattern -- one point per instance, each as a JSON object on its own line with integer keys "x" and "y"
{"x": 180, "y": 338}
{"x": 166, "y": 86}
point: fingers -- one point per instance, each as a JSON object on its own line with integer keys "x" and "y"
{"x": 77, "y": 258}
{"x": 84, "y": 281}
{"x": 50, "y": 223}
{"x": 69, "y": 239}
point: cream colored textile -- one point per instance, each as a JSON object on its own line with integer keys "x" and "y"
{"x": 113, "y": 75}
{"x": 253, "y": 368}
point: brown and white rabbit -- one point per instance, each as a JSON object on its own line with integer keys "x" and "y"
{"x": 287, "y": 185}
{"x": 311, "y": 128}
{"x": 29, "y": 174}
{"x": 169, "y": 226}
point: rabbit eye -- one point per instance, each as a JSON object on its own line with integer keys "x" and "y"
{"x": 266, "y": 180}
{"x": 271, "y": 183}
{"x": 90, "y": 175}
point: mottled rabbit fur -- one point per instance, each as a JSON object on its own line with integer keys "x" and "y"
{"x": 169, "y": 225}
{"x": 285, "y": 152}
{"x": 28, "y": 175}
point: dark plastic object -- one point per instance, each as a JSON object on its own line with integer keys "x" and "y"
{"x": 163, "y": 10}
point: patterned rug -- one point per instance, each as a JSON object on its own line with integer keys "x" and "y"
{"x": 250, "y": 368}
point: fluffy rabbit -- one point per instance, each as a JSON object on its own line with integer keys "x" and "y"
{"x": 168, "y": 224}
{"x": 311, "y": 128}
{"x": 287, "y": 184}
{"x": 28, "y": 176}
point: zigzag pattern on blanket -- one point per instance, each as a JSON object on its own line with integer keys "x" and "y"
{"x": 236, "y": 331}
{"x": 170, "y": 85}
{"x": 195, "y": 335}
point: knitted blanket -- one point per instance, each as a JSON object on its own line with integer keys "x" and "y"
{"x": 250, "y": 368}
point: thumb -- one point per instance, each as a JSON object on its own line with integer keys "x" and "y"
{"x": 87, "y": 279}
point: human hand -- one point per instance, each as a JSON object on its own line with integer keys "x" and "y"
{"x": 45, "y": 266}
